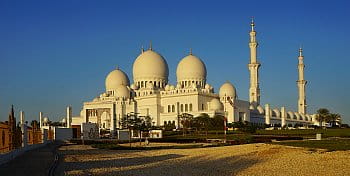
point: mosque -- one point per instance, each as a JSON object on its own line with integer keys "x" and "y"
{"x": 150, "y": 94}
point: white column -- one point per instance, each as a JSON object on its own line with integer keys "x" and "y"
{"x": 41, "y": 119}
{"x": 23, "y": 129}
{"x": 267, "y": 114}
{"x": 283, "y": 116}
{"x": 113, "y": 120}
{"x": 41, "y": 127}
{"x": 69, "y": 117}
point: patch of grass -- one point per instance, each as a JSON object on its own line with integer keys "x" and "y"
{"x": 119, "y": 147}
{"x": 328, "y": 144}
{"x": 307, "y": 133}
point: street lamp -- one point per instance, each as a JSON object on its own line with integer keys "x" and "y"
{"x": 225, "y": 114}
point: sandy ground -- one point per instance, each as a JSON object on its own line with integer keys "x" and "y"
{"x": 250, "y": 159}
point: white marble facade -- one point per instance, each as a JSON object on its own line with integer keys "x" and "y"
{"x": 150, "y": 94}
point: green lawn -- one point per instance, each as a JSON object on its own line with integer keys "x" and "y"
{"x": 120, "y": 147}
{"x": 307, "y": 133}
{"x": 329, "y": 144}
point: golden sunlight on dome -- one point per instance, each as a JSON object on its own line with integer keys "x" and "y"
{"x": 191, "y": 70}
{"x": 150, "y": 66}
{"x": 228, "y": 90}
{"x": 115, "y": 78}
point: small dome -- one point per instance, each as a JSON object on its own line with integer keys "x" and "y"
{"x": 191, "y": 68}
{"x": 207, "y": 86}
{"x": 115, "y": 78}
{"x": 133, "y": 86}
{"x": 64, "y": 120}
{"x": 215, "y": 105}
{"x": 167, "y": 87}
{"x": 150, "y": 66}
{"x": 122, "y": 92}
{"x": 46, "y": 119}
{"x": 178, "y": 86}
{"x": 228, "y": 90}
{"x": 172, "y": 87}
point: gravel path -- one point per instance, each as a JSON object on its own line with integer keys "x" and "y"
{"x": 250, "y": 159}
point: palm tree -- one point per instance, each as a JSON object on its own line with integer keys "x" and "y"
{"x": 322, "y": 115}
{"x": 333, "y": 119}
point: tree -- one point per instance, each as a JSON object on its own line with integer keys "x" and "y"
{"x": 139, "y": 123}
{"x": 333, "y": 119}
{"x": 185, "y": 120}
{"x": 217, "y": 122}
{"x": 202, "y": 122}
{"x": 322, "y": 115}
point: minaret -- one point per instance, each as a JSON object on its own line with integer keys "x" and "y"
{"x": 254, "y": 90}
{"x": 301, "y": 84}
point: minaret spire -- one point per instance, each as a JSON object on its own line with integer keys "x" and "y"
{"x": 142, "y": 50}
{"x": 150, "y": 46}
{"x": 190, "y": 51}
{"x": 252, "y": 24}
{"x": 301, "y": 83}
{"x": 254, "y": 90}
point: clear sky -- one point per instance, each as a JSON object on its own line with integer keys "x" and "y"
{"x": 58, "y": 53}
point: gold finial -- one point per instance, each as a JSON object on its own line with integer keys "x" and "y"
{"x": 150, "y": 45}
{"x": 190, "y": 51}
{"x": 252, "y": 24}
{"x": 117, "y": 67}
{"x": 300, "y": 51}
{"x": 142, "y": 50}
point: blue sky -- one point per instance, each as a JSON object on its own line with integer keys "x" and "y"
{"x": 58, "y": 53}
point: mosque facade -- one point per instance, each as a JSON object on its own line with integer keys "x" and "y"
{"x": 150, "y": 94}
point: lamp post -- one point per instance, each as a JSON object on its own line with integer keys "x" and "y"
{"x": 225, "y": 120}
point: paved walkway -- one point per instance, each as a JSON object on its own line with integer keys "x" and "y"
{"x": 35, "y": 162}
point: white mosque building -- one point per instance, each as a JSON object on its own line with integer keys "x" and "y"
{"x": 150, "y": 94}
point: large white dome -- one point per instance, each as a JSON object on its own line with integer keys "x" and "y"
{"x": 150, "y": 66}
{"x": 190, "y": 70}
{"x": 115, "y": 78}
{"x": 228, "y": 90}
